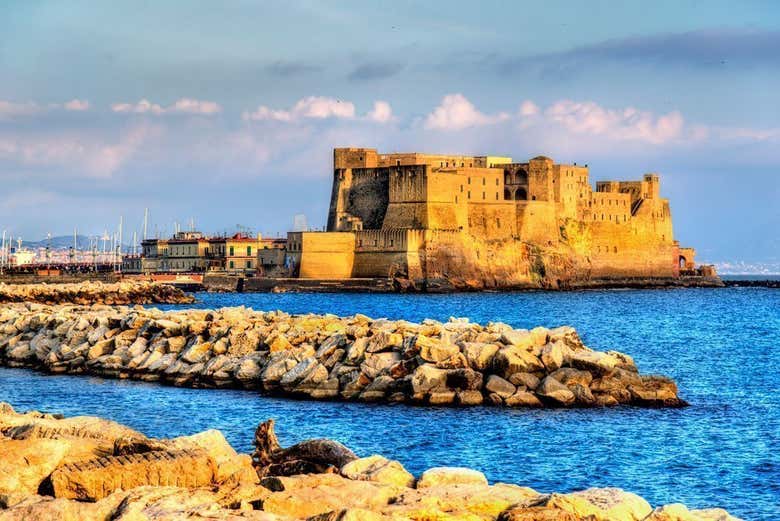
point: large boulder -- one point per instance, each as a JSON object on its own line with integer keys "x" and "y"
{"x": 496, "y": 384}
{"x": 379, "y": 469}
{"x": 307, "y": 495}
{"x": 554, "y": 391}
{"x": 26, "y": 463}
{"x": 427, "y": 378}
{"x": 439, "y": 476}
{"x": 602, "y": 504}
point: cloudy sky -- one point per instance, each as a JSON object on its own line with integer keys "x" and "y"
{"x": 227, "y": 112}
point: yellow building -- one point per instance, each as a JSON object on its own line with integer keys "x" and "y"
{"x": 241, "y": 253}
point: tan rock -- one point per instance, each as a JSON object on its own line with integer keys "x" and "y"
{"x": 439, "y": 476}
{"x": 213, "y": 442}
{"x": 553, "y": 390}
{"x": 604, "y": 504}
{"x": 379, "y": 469}
{"x": 96, "y": 479}
{"x": 26, "y": 463}
{"x": 309, "y": 495}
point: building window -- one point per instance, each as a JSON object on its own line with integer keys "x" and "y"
{"x": 469, "y": 180}
{"x": 248, "y": 251}
{"x": 498, "y": 222}
{"x": 496, "y": 181}
{"x": 496, "y": 196}
{"x": 248, "y": 264}
{"x": 483, "y": 196}
{"x": 468, "y": 195}
{"x": 232, "y": 253}
{"x": 461, "y": 188}
{"x": 232, "y": 265}
{"x": 484, "y": 181}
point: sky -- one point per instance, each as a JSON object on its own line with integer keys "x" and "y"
{"x": 227, "y": 112}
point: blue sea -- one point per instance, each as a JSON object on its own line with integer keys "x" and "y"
{"x": 721, "y": 345}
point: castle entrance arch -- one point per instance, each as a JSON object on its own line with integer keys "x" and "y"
{"x": 521, "y": 194}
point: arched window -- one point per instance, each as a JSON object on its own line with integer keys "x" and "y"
{"x": 521, "y": 176}
{"x": 521, "y": 194}
{"x": 507, "y": 194}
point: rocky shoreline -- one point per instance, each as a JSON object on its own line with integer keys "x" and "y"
{"x": 84, "y": 293}
{"x": 329, "y": 357}
{"x": 87, "y": 468}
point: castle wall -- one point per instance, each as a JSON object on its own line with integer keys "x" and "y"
{"x": 385, "y": 253}
{"x": 537, "y": 222}
{"x": 321, "y": 255}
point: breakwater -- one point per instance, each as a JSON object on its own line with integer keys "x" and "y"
{"x": 329, "y": 357}
{"x": 123, "y": 292}
{"x": 91, "y": 468}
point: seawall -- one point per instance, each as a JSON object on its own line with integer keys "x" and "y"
{"x": 87, "y": 468}
{"x": 329, "y": 357}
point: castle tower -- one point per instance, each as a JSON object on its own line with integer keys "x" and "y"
{"x": 653, "y": 186}
{"x": 540, "y": 179}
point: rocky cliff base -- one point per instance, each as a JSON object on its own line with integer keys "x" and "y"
{"x": 125, "y": 292}
{"x": 329, "y": 357}
{"x": 86, "y": 468}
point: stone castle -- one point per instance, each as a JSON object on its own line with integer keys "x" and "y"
{"x": 487, "y": 221}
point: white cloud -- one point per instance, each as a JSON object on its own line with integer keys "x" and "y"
{"x": 626, "y": 124}
{"x": 314, "y": 107}
{"x": 180, "y": 106}
{"x": 381, "y": 113}
{"x": 528, "y": 108}
{"x": 9, "y": 109}
{"x": 456, "y": 113}
{"x": 76, "y": 105}
{"x": 75, "y": 151}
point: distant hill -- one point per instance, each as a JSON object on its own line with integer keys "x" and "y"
{"x": 63, "y": 242}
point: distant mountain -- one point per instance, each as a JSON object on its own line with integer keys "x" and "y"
{"x": 63, "y": 242}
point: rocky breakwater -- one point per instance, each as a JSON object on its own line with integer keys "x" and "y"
{"x": 86, "y": 468}
{"x": 95, "y": 292}
{"x": 329, "y": 357}
{"x": 124, "y": 292}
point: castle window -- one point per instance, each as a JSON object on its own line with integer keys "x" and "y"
{"x": 456, "y": 198}
{"x": 469, "y": 180}
{"x": 602, "y": 217}
{"x": 461, "y": 188}
{"x": 496, "y": 196}
{"x": 441, "y": 164}
{"x": 397, "y": 162}
{"x": 483, "y": 181}
{"x": 498, "y": 222}
{"x": 483, "y": 196}
{"x": 469, "y": 194}
{"x": 614, "y": 249}
{"x": 496, "y": 181}
{"x": 462, "y": 164}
